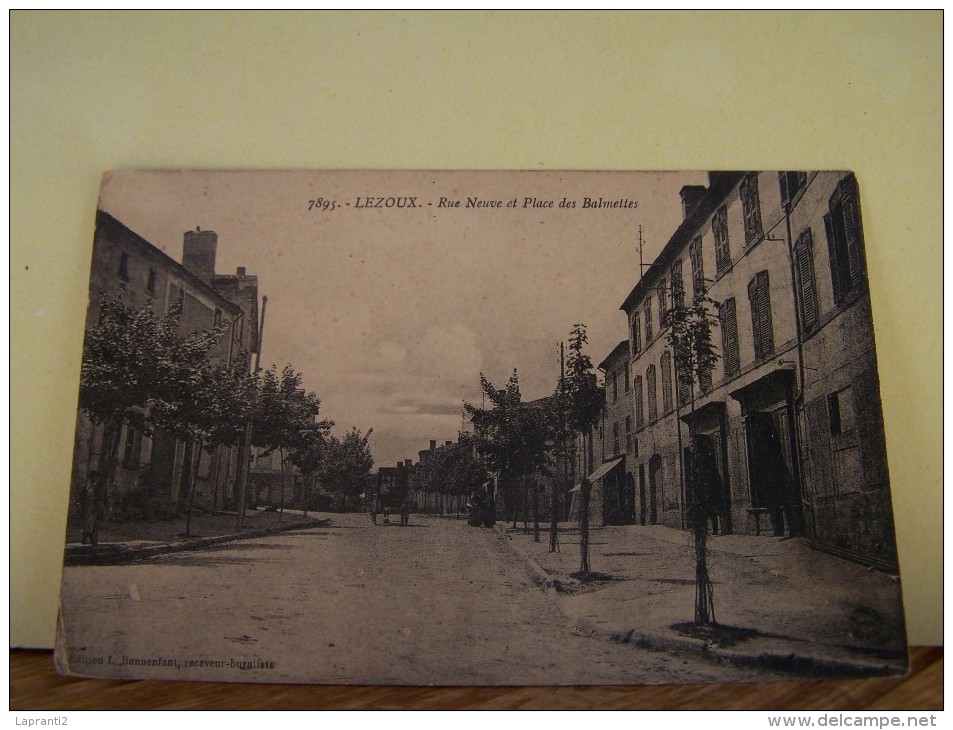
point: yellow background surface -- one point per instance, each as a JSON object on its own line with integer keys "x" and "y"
{"x": 96, "y": 91}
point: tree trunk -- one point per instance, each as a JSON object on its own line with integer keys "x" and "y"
{"x": 107, "y": 459}
{"x": 585, "y": 490}
{"x": 197, "y": 458}
{"x": 535, "y": 488}
{"x": 554, "y": 507}
{"x": 281, "y": 497}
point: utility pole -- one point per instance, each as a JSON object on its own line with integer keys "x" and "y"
{"x": 246, "y": 447}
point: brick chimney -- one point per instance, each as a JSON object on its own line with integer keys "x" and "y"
{"x": 691, "y": 195}
{"x": 433, "y": 443}
{"x": 198, "y": 253}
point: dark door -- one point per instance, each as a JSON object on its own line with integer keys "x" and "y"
{"x": 655, "y": 487}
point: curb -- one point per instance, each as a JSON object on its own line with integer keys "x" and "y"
{"x": 540, "y": 577}
{"x": 85, "y": 555}
{"x": 789, "y": 661}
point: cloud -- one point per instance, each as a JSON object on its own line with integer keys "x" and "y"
{"x": 416, "y": 407}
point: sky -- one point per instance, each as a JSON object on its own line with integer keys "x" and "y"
{"x": 391, "y": 300}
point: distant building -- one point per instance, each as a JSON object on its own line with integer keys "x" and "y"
{"x": 150, "y": 476}
{"x": 791, "y": 414}
{"x": 612, "y": 499}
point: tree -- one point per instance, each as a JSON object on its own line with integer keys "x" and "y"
{"x": 308, "y": 456}
{"x": 559, "y": 419}
{"x": 510, "y": 436}
{"x": 586, "y": 401}
{"x": 347, "y": 465}
{"x": 284, "y": 418}
{"x": 694, "y": 356}
{"x": 132, "y": 362}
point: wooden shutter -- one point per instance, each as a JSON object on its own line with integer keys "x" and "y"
{"x": 698, "y": 266}
{"x": 650, "y": 386}
{"x": 719, "y": 228}
{"x": 639, "y": 413}
{"x": 807, "y": 289}
{"x": 832, "y": 256}
{"x": 760, "y": 297}
{"x": 852, "y": 227}
{"x": 678, "y": 287}
{"x": 751, "y": 208}
{"x": 636, "y": 333}
{"x": 729, "y": 336}
{"x": 666, "y": 381}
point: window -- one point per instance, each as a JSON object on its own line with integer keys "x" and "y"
{"x": 615, "y": 437}
{"x": 648, "y": 321}
{"x": 151, "y": 283}
{"x": 124, "y": 266}
{"x": 759, "y": 295}
{"x": 845, "y": 239}
{"x": 698, "y": 266}
{"x": 132, "y": 448}
{"x": 615, "y": 386}
{"x": 628, "y": 433}
{"x": 625, "y": 377}
{"x": 719, "y": 227}
{"x": 635, "y": 447}
{"x": 678, "y": 287}
{"x": 636, "y": 333}
{"x": 751, "y": 209}
{"x": 806, "y": 285}
{"x": 639, "y": 413}
{"x": 792, "y": 183}
{"x": 662, "y": 304}
{"x": 704, "y": 379}
{"x": 727, "y": 313}
{"x": 217, "y": 319}
{"x": 650, "y": 386}
{"x": 666, "y": 381}
{"x": 682, "y": 389}
{"x": 840, "y": 410}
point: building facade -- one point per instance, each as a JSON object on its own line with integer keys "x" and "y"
{"x": 151, "y": 475}
{"x": 790, "y": 415}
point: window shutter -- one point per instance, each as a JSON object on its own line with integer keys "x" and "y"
{"x": 636, "y": 332}
{"x": 850, "y": 202}
{"x": 639, "y": 413}
{"x": 666, "y": 381}
{"x": 760, "y": 297}
{"x": 751, "y": 208}
{"x": 755, "y": 318}
{"x": 764, "y": 305}
{"x": 698, "y": 269}
{"x": 719, "y": 228}
{"x": 648, "y": 322}
{"x": 832, "y": 255}
{"x": 804, "y": 261}
{"x": 783, "y": 182}
{"x": 678, "y": 287}
{"x": 729, "y": 336}
{"x": 650, "y": 386}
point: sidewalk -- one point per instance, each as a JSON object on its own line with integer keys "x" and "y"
{"x": 137, "y": 539}
{"x": 777, "y": 601}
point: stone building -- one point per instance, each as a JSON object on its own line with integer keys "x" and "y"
{"x": 614, "y": 444}
{"x": 790, "y": 415}
{"x": 151, "y": 474}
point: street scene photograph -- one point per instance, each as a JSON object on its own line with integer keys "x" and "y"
{"x": 480, "y": 428}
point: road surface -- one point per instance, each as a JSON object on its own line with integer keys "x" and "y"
{"x": 433, "y": 603}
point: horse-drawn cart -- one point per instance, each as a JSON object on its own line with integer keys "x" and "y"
{"x": 391, "y": 493}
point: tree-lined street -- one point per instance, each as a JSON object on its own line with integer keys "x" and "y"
{"x": 436, "y": 602}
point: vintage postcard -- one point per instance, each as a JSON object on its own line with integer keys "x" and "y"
{"x": 480, "y": 428}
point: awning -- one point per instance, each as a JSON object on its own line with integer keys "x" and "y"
{"x": 600, "y": 472}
